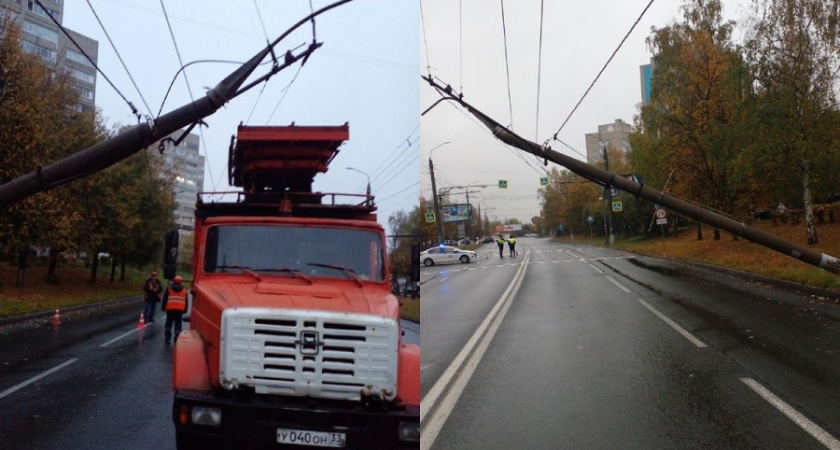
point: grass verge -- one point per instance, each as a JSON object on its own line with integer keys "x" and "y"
{"x": 742, "y": 254}
{"x": 410, "y": 308}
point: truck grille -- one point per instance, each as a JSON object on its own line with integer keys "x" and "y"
{"x": 309, "y": 353}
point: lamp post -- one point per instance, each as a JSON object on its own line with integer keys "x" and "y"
{"x": 434, "y": 193}
{"x": 365, "y": 174}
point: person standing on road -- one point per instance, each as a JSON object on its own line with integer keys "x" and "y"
{"x": 512, "y": 246}
{"x": 501, "y": 243}
{"x": 152, "y": 289}
{"x": 175, "y": 305}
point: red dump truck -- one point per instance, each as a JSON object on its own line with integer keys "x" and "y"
{"x": 295, "y": 337}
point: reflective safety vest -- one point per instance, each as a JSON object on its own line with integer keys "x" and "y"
{"x": 511, "y": 241}
{"x": 176, "y": 301}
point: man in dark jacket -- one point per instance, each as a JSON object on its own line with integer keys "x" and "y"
{"x": 175, "y": 305}
{"x": 151, "y": 290}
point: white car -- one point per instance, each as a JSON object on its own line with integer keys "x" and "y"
{"x": 445, "y": 254}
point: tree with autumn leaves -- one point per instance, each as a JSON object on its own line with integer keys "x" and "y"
{"x": 38, "y": 126}
{"x": 743, "y": 127}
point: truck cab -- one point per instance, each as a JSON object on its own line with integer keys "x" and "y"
{"x": 295, "y": 337}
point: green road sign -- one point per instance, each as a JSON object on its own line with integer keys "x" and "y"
{"x": 430, "y": 217}
{"x": 617, "y": 206}
{"x": 543, "y": 181}
{"x": 502, "y": 184}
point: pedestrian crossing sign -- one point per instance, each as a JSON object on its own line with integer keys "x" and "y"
{"x": 430, "y": 217}
{"x": 503, "y": 184}
{"x": 543, "y": 181}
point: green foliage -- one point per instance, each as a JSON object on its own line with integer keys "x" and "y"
{"x": 123, "y": 210}
{"x": 406, "y": 227}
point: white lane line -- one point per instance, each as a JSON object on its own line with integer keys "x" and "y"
{"x": 36, "y": 378}
{"x": 463, "y": 368}
{"x": 674, "y": 325}
{"x": 618, "y": 284}
{"x": 119, "y": 337}
{"x": 596, "y": 269}
{"x": 811, "y": 428}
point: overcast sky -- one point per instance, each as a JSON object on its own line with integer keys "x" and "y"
{"x": 365, "y": 74}
{"x": 466, "y": 50}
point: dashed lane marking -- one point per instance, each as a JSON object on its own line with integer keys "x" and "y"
{"x": 798, "y": 418}
{"x": 15, "y": 388}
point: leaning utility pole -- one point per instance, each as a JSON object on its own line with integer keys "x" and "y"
{"x": 683, "y": 207}
{"x": 438, "y": 219}
{"x": 117, "y": 148}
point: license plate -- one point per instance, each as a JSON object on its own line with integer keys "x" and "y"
{"x": 311, "y": 438}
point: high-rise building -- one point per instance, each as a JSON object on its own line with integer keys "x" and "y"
{"x": 187, "y": 168}
{"x": 42, "y": 37}
{"x": 645, "y": 74}
{"x": 615, "y": 135}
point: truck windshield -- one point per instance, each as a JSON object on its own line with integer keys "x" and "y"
{"x": 283, "y": 250}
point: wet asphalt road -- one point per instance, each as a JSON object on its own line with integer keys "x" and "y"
{"x": 93, "y": 382}
{"x": 586, "y": 356}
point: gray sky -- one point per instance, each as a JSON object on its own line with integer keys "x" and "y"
{"x": 365, "y": 74}
{"x": 466, "y": 50}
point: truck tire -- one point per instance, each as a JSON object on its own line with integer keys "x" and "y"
{"x": 428, "y": 262}
{"x": 182, "y": 442}
{"x": 465, "y": 259}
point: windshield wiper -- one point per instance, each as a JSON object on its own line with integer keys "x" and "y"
{"x": 349, "y": 272}
{"x": 245, "y": 269}
{"x": 293, "y": 272}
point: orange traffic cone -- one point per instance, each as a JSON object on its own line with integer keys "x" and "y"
{"x": 141, "y": 323}
{"x": 56, "y": 320}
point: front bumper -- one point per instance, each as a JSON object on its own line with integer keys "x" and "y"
{"x": 252, "y": 421}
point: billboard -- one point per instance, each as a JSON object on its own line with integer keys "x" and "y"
{"x": 455, "y": 213}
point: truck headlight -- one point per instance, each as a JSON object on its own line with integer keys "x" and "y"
{"x": 205, "y": 415}
{"x": 409, "y": 431}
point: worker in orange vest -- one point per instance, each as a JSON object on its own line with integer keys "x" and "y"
{"x": 175, "y": 305}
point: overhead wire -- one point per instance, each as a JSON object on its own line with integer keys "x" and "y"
{"x": 118, "y": 57}
{"x": 407, "y": 142}
{"x": 602, "y": 69}
{"x": 539, "y": 70}
{"x": 507, "y": 64}
{"x": 425, "y": 41}
{"x": 202, "y": 141}
{"x": 92, "y": 62}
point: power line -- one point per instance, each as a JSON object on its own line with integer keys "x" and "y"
{"x": 425, "y": 41}
{"x": 379, "y": 171}
{"x": 118, "y": 56}
{"x": 189, "y": 90}
{"x": 92, "y": 62}
{"x": 507, "y": 65}
{"x": 539, "y": 71}
{"x": 603, "y": 68}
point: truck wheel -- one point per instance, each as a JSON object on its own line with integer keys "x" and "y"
{"x": 428, "y": 262}
{"x": 465, "y": 259}
{"x": 182, "y": 442}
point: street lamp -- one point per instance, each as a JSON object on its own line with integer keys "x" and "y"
{"x": 434, "y": 193}
{"x": 363, "y": 173}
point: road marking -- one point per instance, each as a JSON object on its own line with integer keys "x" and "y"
{"x": 673, "y": 325}
{"x": 596, "y": 269}
{"x": 463, "y": 368}
{"x": 618, "y": 284}
{"x": 120, "y": 337}
{"x": 798, "y": 418}
{"x": 36, "y": 378}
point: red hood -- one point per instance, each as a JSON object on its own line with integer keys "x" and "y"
{"x": 332, "y": 295}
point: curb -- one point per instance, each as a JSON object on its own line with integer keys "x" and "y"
{"x": 813, "y": 290}
{"x": 47, "y": 314}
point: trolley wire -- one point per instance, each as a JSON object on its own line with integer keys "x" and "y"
{"x": 92, "y": 62}
{"x": 602, "y": 70}
{"x": 130, "y": 77}
{"x": 507, "y": 65}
